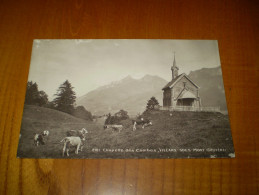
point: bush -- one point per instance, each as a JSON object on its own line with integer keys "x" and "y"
{"x": 81, "y": 112}
{"x": 119, "y": 116}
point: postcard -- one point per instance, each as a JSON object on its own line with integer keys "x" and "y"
{"x": 125, "y": 98}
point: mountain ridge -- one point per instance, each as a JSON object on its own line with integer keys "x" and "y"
{"x": 132, "y": 94}
{"x": 126, "y": 93}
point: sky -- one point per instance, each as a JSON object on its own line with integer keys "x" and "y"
{"x": 90, "y": 63}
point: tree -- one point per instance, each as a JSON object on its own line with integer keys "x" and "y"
{"x": 43, "y": 98}
{"x": 81, "y": 112}
{"x": 65, "y": 98}
{"x": 34, "y": 96}
{"x": 152, "y": 104}
{"x": 117, "y": 118}
{"x": 108, "y": 119}
{"x": 122, "y": 115}
{"x": 31, "y": 93}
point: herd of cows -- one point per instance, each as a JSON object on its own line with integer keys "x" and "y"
{"x": 76, "y": 138}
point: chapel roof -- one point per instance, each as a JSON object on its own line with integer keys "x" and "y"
{"x": 176, "y": 79}
{"x": 172, "y": 82}
{"x": 186, "y": 95}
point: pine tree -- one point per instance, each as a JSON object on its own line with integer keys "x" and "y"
{"x": 31, "y": 93}
{"x": 43, "y": 98}
{"x": 152, "y": 104}
{"x": 65, "y": 98}
{"x": 34, "y": 96}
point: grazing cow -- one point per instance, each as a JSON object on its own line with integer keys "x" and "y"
{"x": 114, "y": 127}
{"x": 143, "y": 122}
{"x": 72, "y": 141}
{"x": 39, "y": 139}
{"x": 79, "y": 133}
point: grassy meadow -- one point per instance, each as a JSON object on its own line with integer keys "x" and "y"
{"x": 179, "y": 135}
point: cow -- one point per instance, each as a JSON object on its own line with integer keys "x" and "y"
{"x": 143, "y": 122}
{"x": 79, "y": 133}
{"x": 39, "y": 139}
{"x": 72, "y": 141}
{"x": 114, "y": 127}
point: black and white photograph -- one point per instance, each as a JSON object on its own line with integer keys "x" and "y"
{"x": 125, "y": 98}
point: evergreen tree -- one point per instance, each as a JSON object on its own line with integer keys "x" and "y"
{"x": 43, "y": 98}
{"x": 31, "y": 93}
{"x": 34, "y": 96}
{"x": 152, "y": 104}
{"x": 65, "y": 98}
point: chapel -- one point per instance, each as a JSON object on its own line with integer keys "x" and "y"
{"x": 181, "y": 90}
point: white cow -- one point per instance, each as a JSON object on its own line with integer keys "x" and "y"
{"x": 143, "y": 122}
{"x": 72, "y": 141}
{"x": 78, "y": 133}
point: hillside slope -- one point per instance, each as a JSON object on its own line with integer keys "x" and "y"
{"x": 41, "y": 114}
{"x": 179, "y": 131}
{"x": 35, "y": 120}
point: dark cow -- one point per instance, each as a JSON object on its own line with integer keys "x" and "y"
{"x": 39, "y": 139}
{"x": 143, "y": 122}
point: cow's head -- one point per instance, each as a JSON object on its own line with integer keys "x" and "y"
{"x": 83, "y": 137}
{"x": 148, "y": 123}
{"x": 45, "y": 133}
{"x": 84, "y": 131}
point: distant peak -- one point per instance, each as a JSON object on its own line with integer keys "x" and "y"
{"x": 127, "y": 77}
{"x": 150, "y": 77}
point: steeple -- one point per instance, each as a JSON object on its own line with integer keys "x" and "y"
{"x": 174, "y": 69}
{"x": 174, "y": 63}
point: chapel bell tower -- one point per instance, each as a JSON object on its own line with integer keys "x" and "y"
{"x": 174, "y": 69}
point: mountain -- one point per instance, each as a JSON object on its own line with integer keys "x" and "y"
{"x": 128, "y": 94}
{"x": 132, "y": 94}
{"x": 212, "y": 91}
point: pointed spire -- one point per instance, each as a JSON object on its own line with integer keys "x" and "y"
{"x": 174, "y": 63}
{"x": 174, "y": 69}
